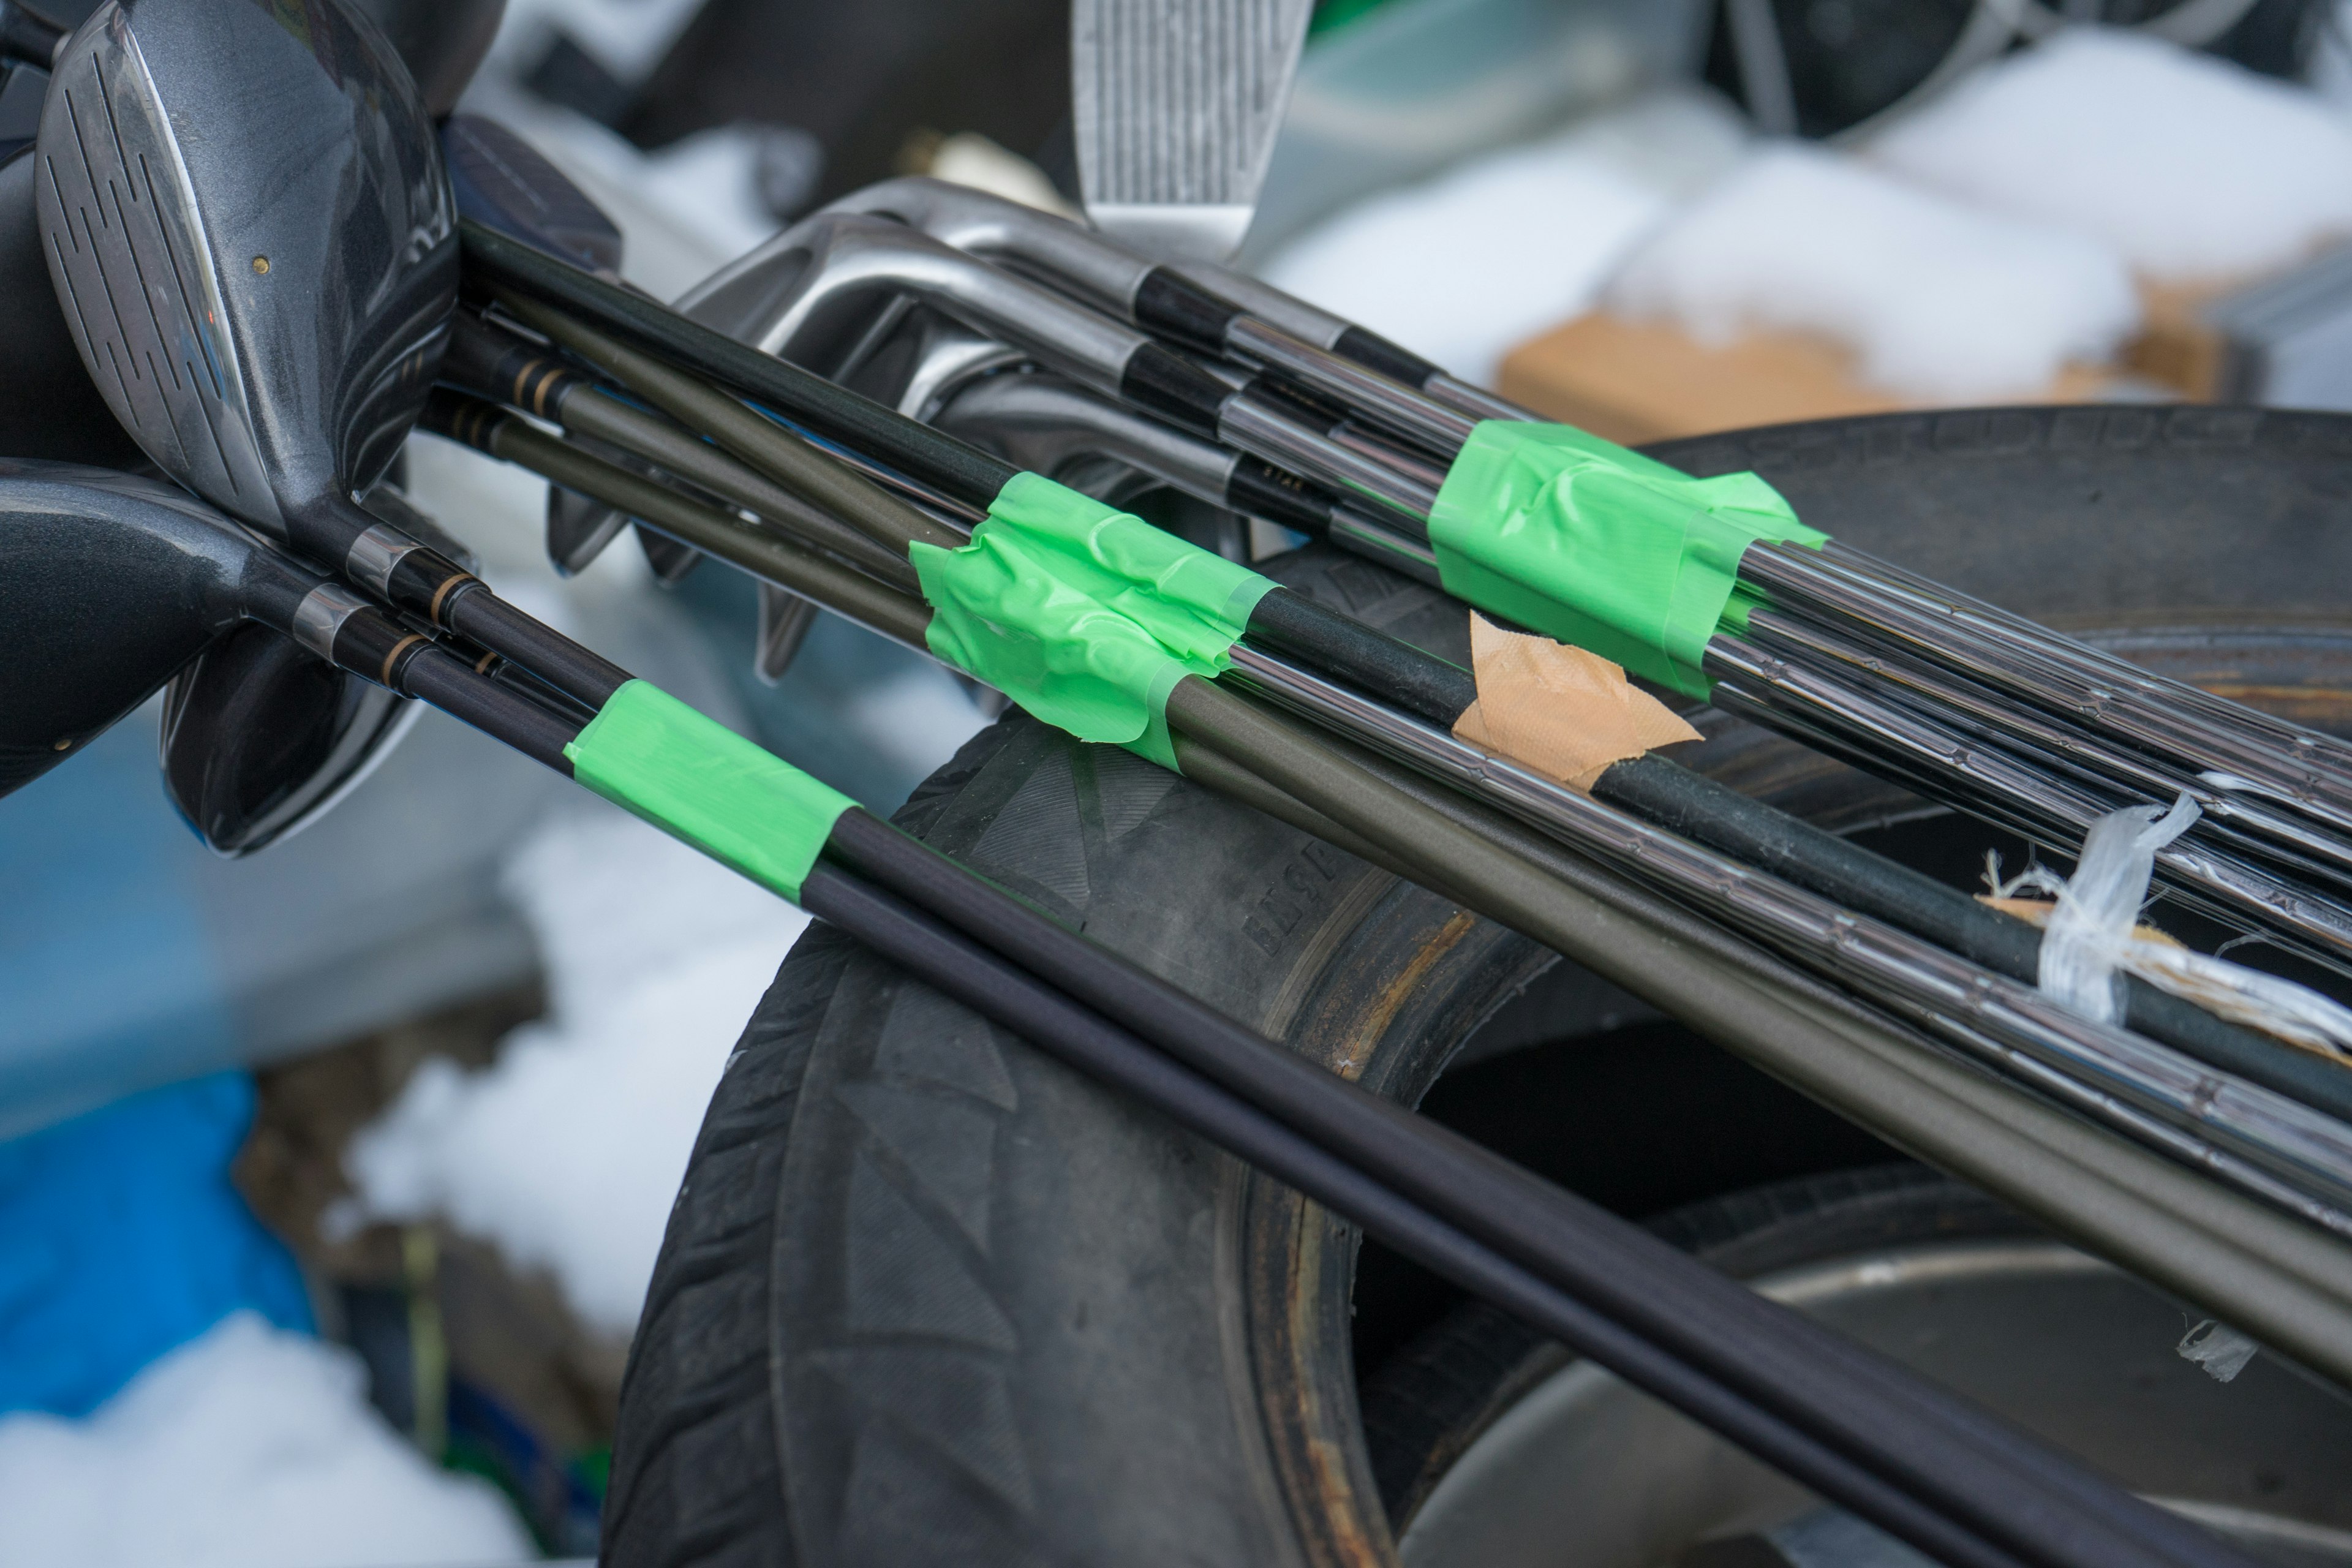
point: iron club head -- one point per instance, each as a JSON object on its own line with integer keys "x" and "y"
{"x": 252, "y": 234}
{"x": 810, "y": 295}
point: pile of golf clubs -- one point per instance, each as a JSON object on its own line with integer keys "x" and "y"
{"x": 1042, "y": 375}
{"x": 273, "y": 371}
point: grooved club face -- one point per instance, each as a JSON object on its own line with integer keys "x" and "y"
{"x": 246, "y": 217}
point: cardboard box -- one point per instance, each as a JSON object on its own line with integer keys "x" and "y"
{"x": 1634, "y": 382}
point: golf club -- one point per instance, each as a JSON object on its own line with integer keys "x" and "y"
{"x": 271, "y": 363}
{"x": 1174, "y": 105}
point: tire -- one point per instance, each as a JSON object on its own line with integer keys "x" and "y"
{"x": 929, "y": 1297}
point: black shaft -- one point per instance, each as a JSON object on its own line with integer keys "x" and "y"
{"x": 481, "y": 616}
{"x": 1084, "y": 1040}
{"x": 2007, "y": 1484}
{"x": 924, "y": 454}
{"x": 450, "y": 684}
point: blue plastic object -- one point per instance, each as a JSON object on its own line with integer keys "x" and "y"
{"x": 121, "y": 1238}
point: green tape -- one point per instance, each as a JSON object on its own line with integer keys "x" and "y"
{"x": 1601, "y": 547}
{"x": 1084, "y": 616}
{"x": 701, "y": 783}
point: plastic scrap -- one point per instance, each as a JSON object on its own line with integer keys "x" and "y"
{"x": 1086, "y": 616}
{"x": 699, "y": 781}
{"x": 1565, "y": 712}
{"x": 2091, "y": 937}
{"x": 1600, "y": 547}
{"x": 2217, "y": 1347}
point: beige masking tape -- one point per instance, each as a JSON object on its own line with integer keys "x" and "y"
{"x": 1564, "y": 712}
{"x": 2036, "y": 913}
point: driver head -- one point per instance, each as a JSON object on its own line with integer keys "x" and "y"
{"x": 251, "y": 233}
{"x": 110, "y": 586}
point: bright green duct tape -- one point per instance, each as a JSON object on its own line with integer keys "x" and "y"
{"x": 699, "y": 782}
{"x": 1084, "y": 616}
{"x": 1601, "y": 547}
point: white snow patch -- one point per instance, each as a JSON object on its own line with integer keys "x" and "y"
{"x": 249, "y": 1448}
{"x": 2191, "y": 166}
{"x": 1935, "y": 300}
{"x": 1465, "y": 267}
{"x": 567, "y": 1150}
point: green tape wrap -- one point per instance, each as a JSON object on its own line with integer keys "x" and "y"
{"x": 701, "y": 783}
{"x": 1084, "y": 616}
{"x": 1600, "y": 547}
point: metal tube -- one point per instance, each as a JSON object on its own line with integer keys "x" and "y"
{"x": 1960, "y": 1000}
{"x": 2239, "y": 749}
{"x": 1956, "y": 698}
{"x": 1955, "y": 768}
{"x": 1388, "y": 404}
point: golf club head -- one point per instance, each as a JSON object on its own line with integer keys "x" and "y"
{"x": 108, "y": 584}
{"x": 809, "y": 296}
{"x": 48, "y": 407}
{"x": 923, "y": 358}
{"x": 253, "y": 236}
{"x": 1050, "y": 426}
{"x": 442, "y": 42}
{"x": 1174, "y": 105}
{"x": 261, "y": 738}
{"x": 1047, "y": 244}
{"x": 500, "y": 179}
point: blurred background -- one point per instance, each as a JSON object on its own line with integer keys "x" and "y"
{"x": 330, "y": 1180}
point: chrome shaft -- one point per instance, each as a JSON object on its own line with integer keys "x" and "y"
{"x": 2274, "y": 1145}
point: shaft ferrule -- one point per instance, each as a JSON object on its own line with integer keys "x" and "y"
{"x": 320, "y": 618}
{"x": 427, "y": 581}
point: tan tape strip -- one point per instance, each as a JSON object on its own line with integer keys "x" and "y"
{"x": 2036, "y": 913}
{"x": 1564, "y": 712}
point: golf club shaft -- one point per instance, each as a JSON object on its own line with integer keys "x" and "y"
{"x": 761, "y": 552}
{"x": 2295, "y": 1152}
{"x": 488, "y": 360}
{"x": 1964, "y": 1468}
{"x": 1282, "y": 620}
{"x": 930, "y": 458}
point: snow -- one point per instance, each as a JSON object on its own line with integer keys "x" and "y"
{"x": 1465, "y": 265}
{"x": 2189, "y": 167}
{"x": 249, "y": 1448}
{"x": 567, "y": 1150}
{"x": 1934, "y": 299}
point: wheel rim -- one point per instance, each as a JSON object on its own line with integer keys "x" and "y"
{"x": 1584, "y": 1469}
